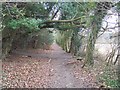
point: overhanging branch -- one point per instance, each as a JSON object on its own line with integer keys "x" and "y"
{"x": 62, "y": 21}
{"x": 54, "y": 23}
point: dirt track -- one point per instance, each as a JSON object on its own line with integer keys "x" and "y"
{"x": 52, "y": 68}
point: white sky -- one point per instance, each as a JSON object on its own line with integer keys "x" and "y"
{"x": 112, "y": 19}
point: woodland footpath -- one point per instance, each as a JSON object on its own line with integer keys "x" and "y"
{"x": 60, "y": 44}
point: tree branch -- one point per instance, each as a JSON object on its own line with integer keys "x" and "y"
{"x": 55, "y": 13}
{"x": 62, "y": 21}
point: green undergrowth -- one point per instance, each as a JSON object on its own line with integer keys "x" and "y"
{"x": 109, "y": 77}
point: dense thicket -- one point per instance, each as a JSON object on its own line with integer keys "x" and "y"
{"x": 20, "y": 26}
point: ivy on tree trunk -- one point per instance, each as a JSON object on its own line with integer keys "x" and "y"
{"x": 101, "y": 11}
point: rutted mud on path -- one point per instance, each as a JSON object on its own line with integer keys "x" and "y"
{"x": 45, "y": 69}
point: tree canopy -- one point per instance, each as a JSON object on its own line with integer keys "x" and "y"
{"x": 32, "y": 17}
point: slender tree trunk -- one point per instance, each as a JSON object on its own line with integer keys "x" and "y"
{"x": 73, "y": 45}
{"x": 96, "y": 25}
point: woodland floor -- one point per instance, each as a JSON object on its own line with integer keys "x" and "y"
{"x": 52, "y": 68}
